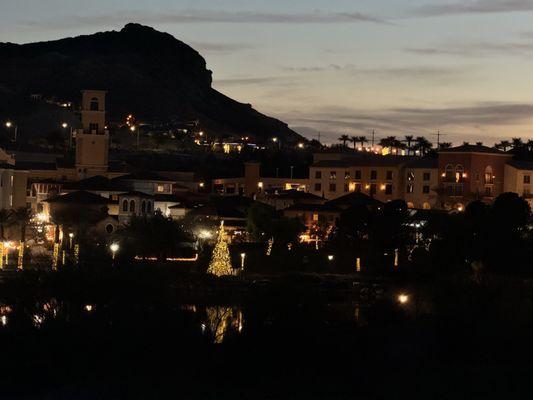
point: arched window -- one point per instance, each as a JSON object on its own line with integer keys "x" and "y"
{"x": 94, "y": 106}
{"x": 125, "y": 206}
{"x": 132, "y": 206}
{"x": 459, "y": 173}
{"x": 149, "y": 206}
{"x": 143, "y": 207}
{"x": 489, "y": 177}
{"x": 410, "y": 205}
{"x": 426, "y": 206}
{"x": 448, "y": 174}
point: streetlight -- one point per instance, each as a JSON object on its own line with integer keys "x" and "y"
{"x": 133, "y": 128}
{"x": 330, "y": 257}
{"x": 114, "y": 247}
{"x": 70, "y": 237}
{"x": 403, "y": 298}
{"x": 10, "y": 124}
{"x": 301, "y": 145}
{"x": 64, "y": 125}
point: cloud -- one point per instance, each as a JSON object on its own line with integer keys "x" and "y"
{"x": 204, "y": 16}
{"x": 474, "y": 122}
{"x": 475, "y": 7}
{"x": 247, "y": 81}
{"x": 479, "y": 49}
{"x": 220, "y": 47}
{"x": 401, "y": 72}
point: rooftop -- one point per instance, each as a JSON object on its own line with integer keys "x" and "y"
{"x": 295, "y": 195}
{"x": 366, "y": 160}
{"x": 97, "y": 183}
{"x": 520, "y": 164}
{"x": 472, "y": 148}
{"x": 144, "y": 176}
{"x": 313, "y": 207}
{"x": 355, "y": 199}
{"x": 80, "y": 197}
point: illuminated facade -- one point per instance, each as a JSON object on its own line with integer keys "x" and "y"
{"x": 470, "y": 172}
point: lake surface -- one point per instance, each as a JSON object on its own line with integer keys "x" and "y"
{"x": 269, "y": 347}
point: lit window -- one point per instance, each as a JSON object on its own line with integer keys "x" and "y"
{"x": 489, "y": 177}
{"x": 459, "y": 173}
{"x": 409, "y": 189}
{"x": 346, "y": 174}
{"x": 333, "y": 175}
{"x": 315, "y": 216}
{"x": 160, "y": 188}
{"x": 410, "y": 176}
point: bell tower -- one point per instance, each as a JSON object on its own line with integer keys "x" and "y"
{"x": 92, "y": 140}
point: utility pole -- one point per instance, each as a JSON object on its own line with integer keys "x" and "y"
{"x": 438, "y": 138}
{"x": 373, "y": 136}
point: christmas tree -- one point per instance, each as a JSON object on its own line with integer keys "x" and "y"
{"x": 220, "y": 261}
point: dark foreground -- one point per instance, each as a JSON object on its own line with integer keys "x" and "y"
{"x": 125, "y": 337}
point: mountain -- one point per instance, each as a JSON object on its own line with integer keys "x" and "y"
{"x": 147, "y": 73}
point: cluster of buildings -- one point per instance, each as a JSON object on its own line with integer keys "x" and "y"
{"x": 336, "y": 181}
{"x": 48, "y": 183}
{"x": 447, "y": 181}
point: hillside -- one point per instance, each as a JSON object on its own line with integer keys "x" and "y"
{"x": 148, "y": 73}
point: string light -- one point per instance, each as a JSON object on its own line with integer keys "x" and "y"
{"x": 220, "y": 261}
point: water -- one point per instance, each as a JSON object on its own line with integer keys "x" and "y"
{"x": 265, "y": 347}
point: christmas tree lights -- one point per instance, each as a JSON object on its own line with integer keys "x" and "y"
{"x": 220, "y": 261}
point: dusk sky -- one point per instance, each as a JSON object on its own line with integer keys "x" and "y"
{"x": 338, "y": 66}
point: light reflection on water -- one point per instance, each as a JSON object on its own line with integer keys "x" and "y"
{"x": 216, "y": 323}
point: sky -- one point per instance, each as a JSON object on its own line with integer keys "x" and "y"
{"x": 336, "y": 67}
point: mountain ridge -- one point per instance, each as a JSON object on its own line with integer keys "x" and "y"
{"x": 147, "y": 73}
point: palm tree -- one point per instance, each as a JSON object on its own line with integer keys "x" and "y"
{"x": 388, "y": 142}
{"x": 517, "y": 143}
{"x": 344, "y": 139}
{"x": 423, "y": 145}
{"x": 503, "y": 145}
{"x": 61, "y": 218}
{"x": 529, "y": 145}
{"x": 354, "y": 140}
{"x": 479, "y": 143}
{"x": 22, "y": 216}
{"x": 445, "y": 145}
{"x": 408, "y": 140}
{"x": 363, "y": 140}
